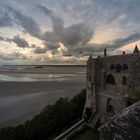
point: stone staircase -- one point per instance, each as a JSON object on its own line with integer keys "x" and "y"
{"x": 91, "y": 123}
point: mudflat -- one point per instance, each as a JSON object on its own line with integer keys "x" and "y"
{"x": 21, "y": 100}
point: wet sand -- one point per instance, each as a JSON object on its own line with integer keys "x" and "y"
{"x": 26, "y": 90}
{"x": 68, "y": 69}
{"x": 20, "y": 101}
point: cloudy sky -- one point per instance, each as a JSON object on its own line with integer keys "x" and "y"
{"x": 66, "y": 31}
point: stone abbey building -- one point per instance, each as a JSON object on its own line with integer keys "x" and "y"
{"x": 112, "y": 83}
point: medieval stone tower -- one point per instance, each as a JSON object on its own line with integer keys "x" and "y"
{"x": 112, "y": 83}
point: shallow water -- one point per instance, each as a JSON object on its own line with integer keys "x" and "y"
{"x": 23, "y": 93}
{"x": 37, "y": 77}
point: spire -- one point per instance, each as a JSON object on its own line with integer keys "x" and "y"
{"x": 136, "y": 50}
{"x": 90, "y": 58}
{"x": 105, "y": 52}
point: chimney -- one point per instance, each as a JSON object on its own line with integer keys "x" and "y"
{"x": 123, "y": 52}
{"x": 105, "y": 52}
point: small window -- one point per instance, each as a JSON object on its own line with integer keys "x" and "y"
{"x": 118, "y": 68}
{"x": 109, "y": 107}
{"x": 112, "y": 67}
{"x": 110, "y": 79}
{"x": 124, "y": 67}
{"x": 124, "y": 80}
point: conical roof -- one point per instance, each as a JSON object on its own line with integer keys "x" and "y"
{"x": 136, "y": 50}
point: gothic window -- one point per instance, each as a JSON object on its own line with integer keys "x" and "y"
{"x": 124, "y": 67}
{"x": 118, "y": 68}
{"x": 112, "y": 67}
{"x": 110, "y": 79}
{"x": 124, "y": 80}
{"x": 109, "y": 107}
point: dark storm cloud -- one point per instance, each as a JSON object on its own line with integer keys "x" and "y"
{"x": 48, "y": 46}
{"x": 75, "y": 37}
{"x": 28, "y": 23}
{"x": 51, "y": 45}
{"x": 74, "y": 23}
{"x": 58, "y": 23}
{"x": 97, "y": 49}
{"x": 39, "y": 50}
{"x": 75, "y": 34}
{"x": 5, "y": 20}
{"x": 21, "y": 42}
{"x": 5, "y": 39}
{"x": 129, "y": 39}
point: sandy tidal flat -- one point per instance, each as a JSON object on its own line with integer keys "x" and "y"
{"x": 20, "y": 100}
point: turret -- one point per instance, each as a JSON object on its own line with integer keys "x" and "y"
{"x": 105, "y": 52}
{"x": 136, "y": 50}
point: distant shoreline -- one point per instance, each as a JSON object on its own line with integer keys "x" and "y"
{"x": 48, "y": 65}
{"x": 42, "y": 69}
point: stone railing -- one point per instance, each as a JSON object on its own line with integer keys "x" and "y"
{"x": 71, "y": 129}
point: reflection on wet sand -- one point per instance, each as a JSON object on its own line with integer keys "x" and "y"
{"x": 24, "y": 94}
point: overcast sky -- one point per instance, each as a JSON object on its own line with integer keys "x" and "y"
{"x": 66, "y": 31}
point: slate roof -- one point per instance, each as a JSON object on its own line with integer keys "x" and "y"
{"x": 123, "y": 126}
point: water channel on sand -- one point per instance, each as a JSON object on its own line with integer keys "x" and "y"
{"x": 24, "y": 93}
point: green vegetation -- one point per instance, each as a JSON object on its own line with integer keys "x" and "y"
{"x": 51, "y": 121}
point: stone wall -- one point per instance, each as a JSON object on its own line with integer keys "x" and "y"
{"x": 123, "y": 82}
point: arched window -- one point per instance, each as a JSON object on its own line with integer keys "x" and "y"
{"x": 118, "y": 68}
{"x": 124, "y": 67}
{"x": 109, "y": 106}
{"x": 124, "y": 80}
{"x": 112, "y": 67}
{"x": 110, "y": 79}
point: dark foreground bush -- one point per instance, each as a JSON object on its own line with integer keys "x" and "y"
{"x": 51, "y": 121}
